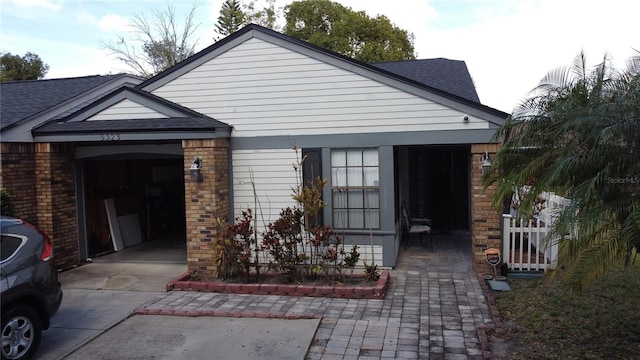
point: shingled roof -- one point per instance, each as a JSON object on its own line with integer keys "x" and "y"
{"x": 179, "y": 117}
{"x": 447, "y": 75}
{"x": 20, "y": 100}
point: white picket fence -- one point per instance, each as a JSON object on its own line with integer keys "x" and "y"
{"x": 525, "y": 246}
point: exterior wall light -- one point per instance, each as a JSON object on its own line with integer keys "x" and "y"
{"x": 486, "y": 163}
{"x": 195, "y": 169}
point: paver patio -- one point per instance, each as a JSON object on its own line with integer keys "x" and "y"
{"x": 432, "y": 310}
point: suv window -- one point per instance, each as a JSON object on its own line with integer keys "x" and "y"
{"x": 9, "y": 245}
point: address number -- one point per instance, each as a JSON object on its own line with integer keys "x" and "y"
{"x": 109, "y": 137}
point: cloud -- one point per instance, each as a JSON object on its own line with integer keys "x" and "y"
{"x": 113, "y": 22}
{"x": 93, "y": 62}
{"x": 45, "y": 4}
{"x": 509, "y": 53}
{"x": 107, "y": 23}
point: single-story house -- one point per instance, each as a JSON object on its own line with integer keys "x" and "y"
{"x": 384, "y": 135}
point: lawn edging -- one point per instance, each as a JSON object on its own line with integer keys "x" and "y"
{"x": 498, "y": 327}
{"x": 375, "y": 291}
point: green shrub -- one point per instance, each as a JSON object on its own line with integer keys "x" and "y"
{"x": 7, "y": 207}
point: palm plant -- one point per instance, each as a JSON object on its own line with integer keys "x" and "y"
{"x": 579, "y": 135}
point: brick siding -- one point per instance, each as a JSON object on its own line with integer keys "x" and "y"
{"x": 205, "y": 201}
{"x": 18, "y": 176}
{"x": 485, "y": 225}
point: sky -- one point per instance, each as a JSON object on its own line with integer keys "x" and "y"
{"x": 508, "y": 45}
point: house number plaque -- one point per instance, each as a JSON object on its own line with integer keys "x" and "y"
{"x": 110, "y": 137}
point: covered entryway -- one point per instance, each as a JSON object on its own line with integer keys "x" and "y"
{"x": 434, "y": 182}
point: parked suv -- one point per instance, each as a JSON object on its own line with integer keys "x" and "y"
{"x": 31, "y": 293}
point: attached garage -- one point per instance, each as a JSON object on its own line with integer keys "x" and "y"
{"x": 130, "y": 173}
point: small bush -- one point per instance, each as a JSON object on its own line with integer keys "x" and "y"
{"x": 7, "y": 208}
{"x": 233, "y": 247}
{"x": 371, "y": 272}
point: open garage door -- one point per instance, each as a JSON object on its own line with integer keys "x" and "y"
{"x": 133, "y": 200}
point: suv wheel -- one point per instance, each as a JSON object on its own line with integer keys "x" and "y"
{"x": 21, "y": 332}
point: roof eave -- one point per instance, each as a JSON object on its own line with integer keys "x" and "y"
{"x": 128, "y": 136}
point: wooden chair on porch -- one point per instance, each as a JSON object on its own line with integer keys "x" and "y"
{"x": 420, "y": 226}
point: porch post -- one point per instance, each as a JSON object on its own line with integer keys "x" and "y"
{"x": 485, "y": 226}
{"x": 206, "y": 198}
{"x": 56, "y": 200}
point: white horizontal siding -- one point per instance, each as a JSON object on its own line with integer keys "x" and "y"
{"x": 365, "y": 254}
{"x": 262, "y": 89}
{"x": 126, "y": 109}
{"x": 364, "y": 250}
{"x": 274, "y": 178}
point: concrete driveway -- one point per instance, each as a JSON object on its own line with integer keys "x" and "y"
{"x": 95, "y": 320}
{"x": 97, "y": 297}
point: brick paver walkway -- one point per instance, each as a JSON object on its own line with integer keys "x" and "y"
{"x": 432, "y": 310}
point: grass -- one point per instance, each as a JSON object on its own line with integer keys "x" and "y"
{"x": 546, "y": 321}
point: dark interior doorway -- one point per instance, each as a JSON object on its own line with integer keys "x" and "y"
{"x": 149, "y": 190}
{"x": 439, "y": 185}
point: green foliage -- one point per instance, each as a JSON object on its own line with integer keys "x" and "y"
{"x": 266, "y": 16}
{"x": 579, "y": 136}
{"x": 310, "y": 196}
{"x": 7, "y": 207}
{"x": 161, "y": 43}
{"x": 351, "y": 259}
{"x": 340, "y": 29}
{"x": 371, "y": 272}
{"x": 27, "y": 67}
{"x": 231, "y": 18}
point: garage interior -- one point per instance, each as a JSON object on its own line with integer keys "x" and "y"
{"x": 134, "y": 202}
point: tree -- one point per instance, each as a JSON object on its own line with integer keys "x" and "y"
{"x": 162, "y": 44}
{"x": 27, "y": 67}
{"x": 231, "y": 18}
{"x": 267, "y": 16}
{"x": 332, "y": 26}
{"x": 579, "y": 136}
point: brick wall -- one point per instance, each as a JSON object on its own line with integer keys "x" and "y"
{"x": 205, "y": 201}
{"x": 17, "y": 175}
{"x": 56, "y": 201}
{"x": 486, "y": 219}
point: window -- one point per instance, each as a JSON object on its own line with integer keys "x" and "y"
{"x": 311, "y": 170}
{"x": 10, "y": 245}
{"x": 355, "y": 188}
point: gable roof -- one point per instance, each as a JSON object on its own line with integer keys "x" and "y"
{"x": 404, "y": 76}
{"x": 20, "y": 100}
{"x": 448, "y": 75}
{"x": 171, "y": 118}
